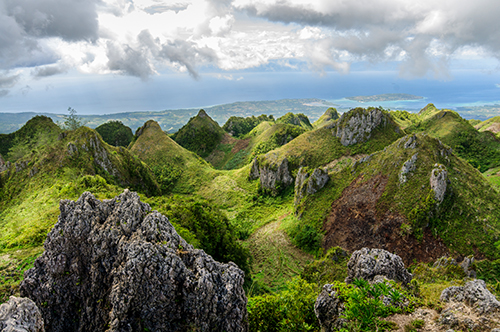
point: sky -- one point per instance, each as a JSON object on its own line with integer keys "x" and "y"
{"x": 105, "y": 56}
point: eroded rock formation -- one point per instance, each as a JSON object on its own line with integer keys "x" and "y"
{"x": 369, "y": 263}
{"x": 117, "y": 266}
{"x": 438, "y": 182}
{"x": 357, "y": 125}
{"x": 20, "y": 315}
{"x": 474, "y": 294}
{"x": 273, "y": 177}
{"x": 308, "y": 184}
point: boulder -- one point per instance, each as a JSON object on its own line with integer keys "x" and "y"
{"x": 328, "y": 309}
{"x": 3, "y": 166}
{"x": 368, "y": 263}
{"x": 408, "y": 167}
{"x": 116, "y": 266}
{"x": 438, "y": 181}
{"x": 474, "y": 294}
{"x": 20, "y": 315}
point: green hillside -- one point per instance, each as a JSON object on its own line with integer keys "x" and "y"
{"x": 480, "y": 149}
{"x": 176, "y": 169}
{"x": 38, "y": 131}
{"x": 492, "y": 125}
{"x": 402, "y": 207}
{"x": 200, "y": 135}
{"x": 115, "y": 133}
{"x": 330, "y": 114}
{"x": 295, "y": 119}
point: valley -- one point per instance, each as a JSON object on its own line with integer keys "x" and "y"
{"x": 289, "y": 201}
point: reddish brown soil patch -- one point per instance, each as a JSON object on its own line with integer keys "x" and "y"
{"x": 240, "y": 145}
{"x": 353, "y": 223}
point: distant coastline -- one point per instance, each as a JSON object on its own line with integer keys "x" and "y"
{"x": 385, "y": 97}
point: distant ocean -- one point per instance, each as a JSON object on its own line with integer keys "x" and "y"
{"x": 112, "y": 94}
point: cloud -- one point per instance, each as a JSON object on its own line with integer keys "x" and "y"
{"x": 71, "y": 20}
{"x": 423, "y": 34}
{"x": 47, "y": 71}
{"x": 8, "y": 81}
{"x": 147, "y": 52}
{"x": 160, "y": 8}
{"x": 4, "y": 93}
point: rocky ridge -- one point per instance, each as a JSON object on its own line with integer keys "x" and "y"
{"x": 117, "y": 266}
{"x": 357, "y": 125}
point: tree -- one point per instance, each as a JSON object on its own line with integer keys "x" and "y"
{"x": 72, "y": 121}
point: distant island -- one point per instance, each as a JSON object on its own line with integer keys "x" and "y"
{"x": 385, "y": 97}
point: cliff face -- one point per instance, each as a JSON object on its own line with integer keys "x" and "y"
{"x": 117, "y": 266}
{"x": 273, "y": 177}
{"x": 357, "y": 125}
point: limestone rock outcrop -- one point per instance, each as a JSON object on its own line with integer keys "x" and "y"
{"x": 357, "y": 125}
{"x": 20, "y": 315}
{"x": 474, "y": 294}
{"x": 328, "y": 309}
{"x": 439, "y": 181}
{"x": 273, "y": 177}
{"x": 369, "y": 263}
{"x": 308, "y": 184}
{"x": 116, "y": 266}
{"x": 4, "y": 165}
{"x": 408, "y": 167}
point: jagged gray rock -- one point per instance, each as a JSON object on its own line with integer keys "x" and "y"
{"x": 117, "y": 266}
{"x": 474, "y": 294}
{"x": 328, "y": 309}
{"x": 408, "y": 167}
{"x": 306, "y": 184}
{"x": 410, "y": 142}
{"x": 438, "y": 181}
{"x": 21, "y": 166}
{"x": 356, "y": 126}
{"x": 466, "y": 264}
{"x": 273, "y": 176}
{"x": 369, "y": 263}
{"x": 20, "y": 315}
{"x": 4, "y": 166}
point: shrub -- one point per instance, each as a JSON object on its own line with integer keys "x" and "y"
{"x": 289, "y": 310}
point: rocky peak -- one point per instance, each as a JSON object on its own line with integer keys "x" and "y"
{"x": 357, "y": 125}
{"x": 116, "y": 266}
{"x": 439, "y": 181}
{"x": 202, "y": 113}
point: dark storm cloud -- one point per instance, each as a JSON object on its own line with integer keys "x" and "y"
{"x": 139, "y": 60}
{"x": 72, "y": 20}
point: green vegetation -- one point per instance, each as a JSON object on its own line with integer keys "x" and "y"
{"x": 239, "y": 126}
{"x": 215, "y": 207}
{"x": 289, "y": 310}
{"x": 72, "y": 121}
{"x": 364, "y": 306}
{"x": 296, "y": 120}
{"x": 209, "y": 229}
{"x": 37, "y": 132}
{"x": 330, "y": 114}
{"x": 115, "y": 133}
{"x": 200, "y": 135}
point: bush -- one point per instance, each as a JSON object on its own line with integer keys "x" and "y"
{"x": 289, "y": 310}
{"x": 306, "y": 237}
{"x": 115, "y": 133}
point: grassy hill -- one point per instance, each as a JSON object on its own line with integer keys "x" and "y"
{"x": 200, "y": 135}
{"x": 480, "y": 149}
{"x": 330, "y": 114}
{"x": 371, "y": 192}
{"x": 492, "y": 124}
{"x": 39, "y": 130}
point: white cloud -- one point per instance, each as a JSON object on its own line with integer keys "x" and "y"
{"x": 144, "y": 37}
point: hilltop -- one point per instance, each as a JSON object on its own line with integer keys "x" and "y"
{"x": 286, "y": 201}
